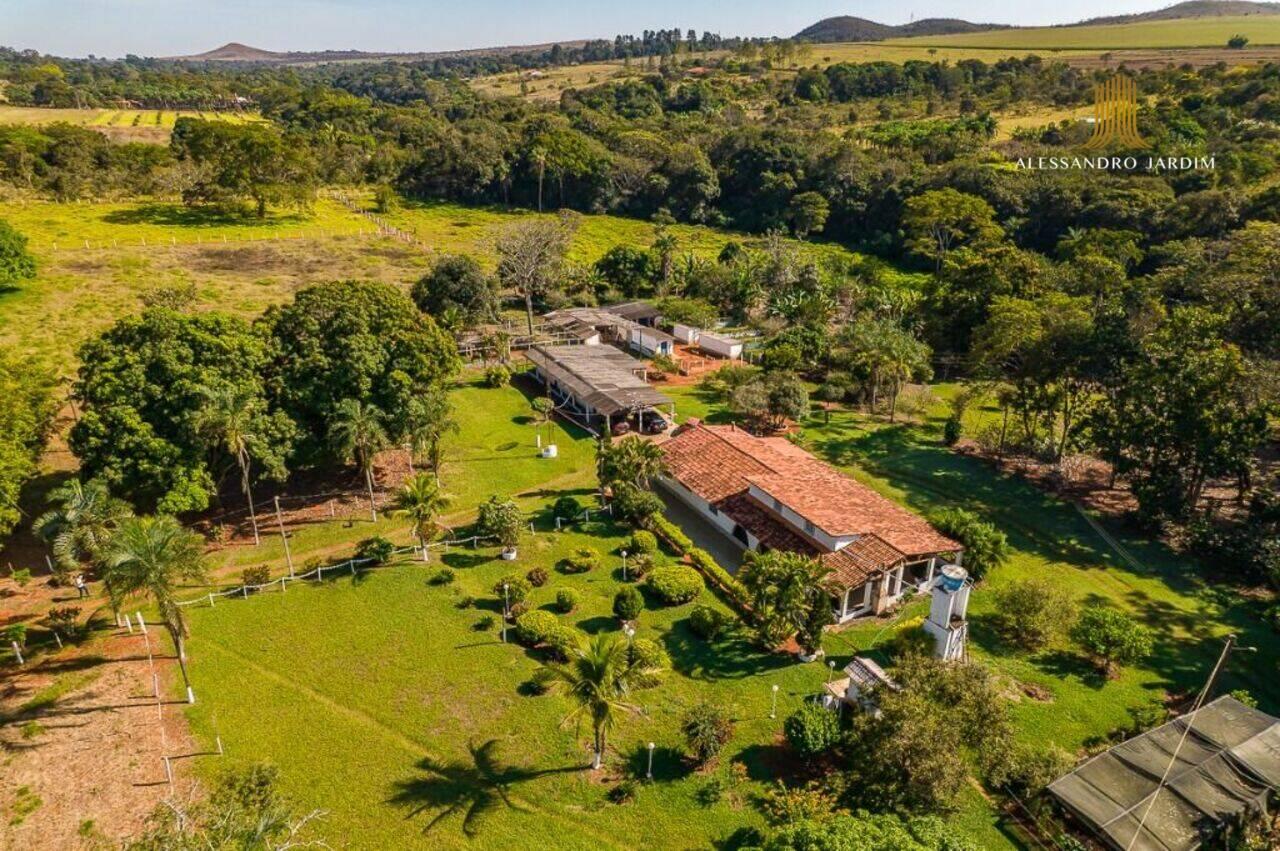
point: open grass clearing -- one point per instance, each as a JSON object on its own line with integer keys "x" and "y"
{"x": 1181, "y": 32}
{"x": 120, "y": 125}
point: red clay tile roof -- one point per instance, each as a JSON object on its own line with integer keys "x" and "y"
{"x": 719, "y": 463}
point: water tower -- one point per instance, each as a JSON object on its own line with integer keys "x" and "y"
{"x": 947, "y": 611}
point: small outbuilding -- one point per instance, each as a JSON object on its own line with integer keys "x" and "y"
{"x": 720, "y": 345}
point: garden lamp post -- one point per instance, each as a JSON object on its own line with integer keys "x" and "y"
{"x": 630, "y": 632}
{"x": 773, "y": 710}
{"x": 506, "y": 610}
{"x": 624, "y": 565}
{"x": 649, "y": 773}
{"x": 408, "y": 448}
{"x": 831, "y": 670}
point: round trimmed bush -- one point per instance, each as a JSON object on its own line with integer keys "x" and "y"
{"x": 639, "y": 566}
{"x": 707, "y": 622}
{"x": 627, "y": 603}
{"x": 567, "y": 600}
{"x": 648, "y": 654}
{"x": 537, "y": 577}
{"x": 675, "y": 585}
{"x": 517, "y": 588}
{"x": 497, "y": 376}
{"x": 518, "y": 609}
{"x": 562, "y": 639}
{"x": 643, "y": 542}
{"x": 582, "y": 561}
{"x": 533, "y": 628}
{"x": 443, "y": 576}
{"x": 812, "y": 729}
{"x": 567, "y": 507}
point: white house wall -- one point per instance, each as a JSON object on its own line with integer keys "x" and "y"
{"x": 717, "y": 518}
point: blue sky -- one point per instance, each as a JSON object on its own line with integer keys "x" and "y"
{"x": 175, "y": 27}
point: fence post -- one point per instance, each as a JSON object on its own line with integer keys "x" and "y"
{"x": 288, "y": 556}
{"x": 557, "y": 523}
{"x": 282, "y": 585}
{"x": 351, "y": 563}
{"x": 142, "y": 625}
{"x": 17, "y": 651}
{"x": 211, "y": 599}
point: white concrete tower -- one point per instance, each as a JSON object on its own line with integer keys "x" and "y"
{"x": 947, "y": 612}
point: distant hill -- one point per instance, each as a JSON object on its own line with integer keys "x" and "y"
{"x": 849, "y": 28}
{"x": 1189, "y": 9}
{"x": 237, "y": 52}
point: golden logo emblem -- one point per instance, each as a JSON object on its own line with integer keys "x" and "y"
{"x": 1115, "y": 113}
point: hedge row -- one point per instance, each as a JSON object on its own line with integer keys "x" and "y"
{"x": 705, "y": 563}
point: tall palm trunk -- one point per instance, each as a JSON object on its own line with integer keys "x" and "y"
{"x": 368, "y": 480}
{"x": 598, "y": 758}
{"x": 243, "y": 458}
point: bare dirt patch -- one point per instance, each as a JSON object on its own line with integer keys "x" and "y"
{"x": 83, "y": 741}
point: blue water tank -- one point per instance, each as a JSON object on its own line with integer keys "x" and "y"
{"x": 952, "y": 577}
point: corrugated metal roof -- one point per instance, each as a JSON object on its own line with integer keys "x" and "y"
{"x": 599, "y": 376}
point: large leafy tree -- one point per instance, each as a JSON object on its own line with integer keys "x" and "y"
{"x": 1181, "y": 413}
{"x": 356, "y": 340}
{"x": 457, "y": 283}
{"x": 152, "y": 557}
{"x": 80, "y": 524}
{"x": 942, "y": 220}
{"x": 16, "y": 263}
{"x": 598, "y": 680}
{"x": 253, "y": 161}
{"x": 26, "y": 417}
{"x": 144, "y": 386}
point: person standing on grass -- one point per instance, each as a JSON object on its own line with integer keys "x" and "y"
{"x": 81, "y": 588}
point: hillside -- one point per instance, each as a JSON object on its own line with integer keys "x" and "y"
{"x": 237, "y": 52}
{"x": 849, "y": 28}
{"x": 1190, "y": 9}
{"x": 1171, "y": 33}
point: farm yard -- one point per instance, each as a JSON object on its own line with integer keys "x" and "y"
{"x": 745, "y": 450}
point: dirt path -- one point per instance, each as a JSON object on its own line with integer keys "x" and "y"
{"x": 83, "y": 741}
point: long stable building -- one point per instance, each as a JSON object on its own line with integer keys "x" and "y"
{"x": 768, "y": 494}
{"x": 598, "y": 384}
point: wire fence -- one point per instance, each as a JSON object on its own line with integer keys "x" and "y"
{"x": 354, "y": 565}
{"x": 223, "y": 239}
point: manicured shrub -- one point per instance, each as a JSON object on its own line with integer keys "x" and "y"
{"x": 567, "y": 600}
{"x": 1025, "y": 770}
{"x": 985, "y": 546}
{"x": 707, "y": 621}
{"x": 643, "y": 542}
{"x": 910, "y": 639}
{"x": 582, "y": 561}
{"x": 675, "y": 585}
{"x": 623, "y": 793}
{"x": 567, "y": 507}
{"x": 812, "y": 730}
{"x": 707, "y": 728}
{"x": 501, "y": 518}
{"x": 637, "y": 507}
{"x": 647, "y": 654}
{"x": 485, "y": 623}
{"x": 443, "y": 576}
{"x": 517, "y": 588}
{"x": 627, "y": 603}
{"x": 375, "y": 550}
{"x": 537, "y": 577}
{"x": 562, "y": 639}
{"x": 497, "y": 376}
{"x": 672, "y": 533}
{"x": 532, "y": 628}
{"x": 518, "y": 609}
{"x": 257, "y": 575}
{"x": 1111, "y": 637}
{"x": 466, "y": 601}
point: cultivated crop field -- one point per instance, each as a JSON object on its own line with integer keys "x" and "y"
{"x": 126, "y": 125}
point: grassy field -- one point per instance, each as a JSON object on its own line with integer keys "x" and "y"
{"x": 1184, "y": 32}
{"x": 126, "y": 125}
{"x": 546, "y": 84}
{"x": 96, "y": 259}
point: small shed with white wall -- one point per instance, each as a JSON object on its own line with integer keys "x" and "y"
{"x": 650, "y": 341}
{"x": 720, "y": 345}
{"x": 686, "y": 334}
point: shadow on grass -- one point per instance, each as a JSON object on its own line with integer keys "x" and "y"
{"x": 728, "y": 657}
{"x": 599, "y": 624}
{"x": 471, "y": 789}
{"x": 182, "y": 216}
{"x": 463, "y": 559}
{"x": 668, "y": 763}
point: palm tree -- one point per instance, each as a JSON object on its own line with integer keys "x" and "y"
{"x": 598, "y": 678}
{"x": 540, "y": 158}
{"x": 544, "y": 407}
{"x": 149, "y": 557}
{"x": 634, "y": 460}
{"x": 430, "y": 419}
{"x": 81, "y": 525}
{"x": 357, "y": 433}
{"x": 420, "y": 502}
{"x": 228, "y": 418}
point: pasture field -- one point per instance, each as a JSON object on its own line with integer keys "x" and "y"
{"x": 1183, "y": 32}
{"x": 367, "y": 691}
{"x": 242, "y": 264}
{"x": 547, "y": 83}
{"x": 124, "y": 125}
